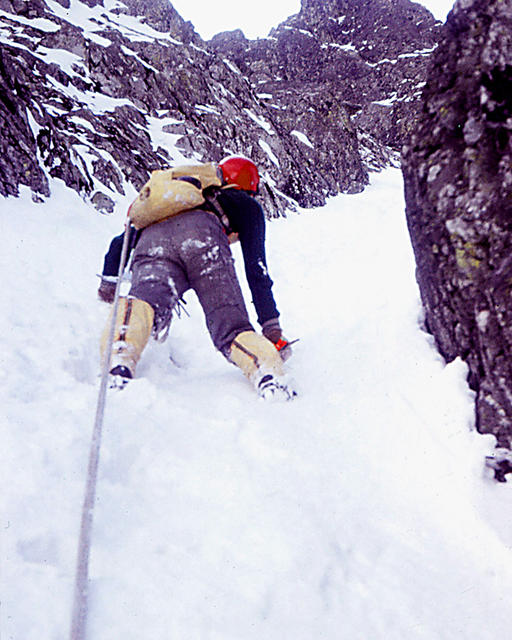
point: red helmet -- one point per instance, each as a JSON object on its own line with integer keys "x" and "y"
{"x": 240, "y": 172}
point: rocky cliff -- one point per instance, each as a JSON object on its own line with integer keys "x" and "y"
{"x": 100, "y": 92}
{"x": 340, "y": 67}
{"x": 458, "y": 182}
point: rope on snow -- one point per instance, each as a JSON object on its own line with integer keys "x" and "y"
{"x": 81, "y": 592}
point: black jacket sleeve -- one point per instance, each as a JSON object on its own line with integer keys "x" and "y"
{"x": 246, "y": 217}
{"x": 113, "y": 255}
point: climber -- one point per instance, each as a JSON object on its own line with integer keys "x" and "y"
{"x": 190, "y": 250}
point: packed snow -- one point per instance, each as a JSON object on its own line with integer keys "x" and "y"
{"x": 360, "y": 511}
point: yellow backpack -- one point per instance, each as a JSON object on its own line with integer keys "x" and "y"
{"x": 171, "y": 191}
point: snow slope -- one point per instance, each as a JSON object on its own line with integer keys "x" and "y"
{"x": 361, "y": 511}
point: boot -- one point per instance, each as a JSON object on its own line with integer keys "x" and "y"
{"x": 261, "y": 363}
{"x": 134, "y": 322}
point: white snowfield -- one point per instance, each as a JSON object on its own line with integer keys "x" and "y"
{"x": 360, "y": 511}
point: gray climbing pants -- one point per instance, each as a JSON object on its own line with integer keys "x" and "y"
{"x": 190, "y": 251}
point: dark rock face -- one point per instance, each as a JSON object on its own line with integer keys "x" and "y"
{"x": 458, "y": 184}
{"x": 101, "y": 99}
{"x": 346, "y": 73}
{"x": 19, "y": 163}
{"x": 101, "y": 96}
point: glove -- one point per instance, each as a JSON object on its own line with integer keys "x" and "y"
{"x": 271, "y": 329}
{"x": 107, "y": 290}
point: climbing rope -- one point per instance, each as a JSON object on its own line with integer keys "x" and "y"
{"x": 81, "y": 592}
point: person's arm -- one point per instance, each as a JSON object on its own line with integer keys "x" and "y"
{"x": 111, "y": 263}
{"x": 246, "y": 218}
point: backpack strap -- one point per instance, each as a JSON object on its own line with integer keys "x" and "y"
{"x": 212, "y": 204}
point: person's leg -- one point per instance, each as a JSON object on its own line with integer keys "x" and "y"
{"x": 158, "y": 282}
{"x": 158, "y": 275}
{"x": 133, "y": 326}
{"x": 212, "y": 275}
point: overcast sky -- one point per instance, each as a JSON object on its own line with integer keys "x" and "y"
{"x": 256, "y": 18}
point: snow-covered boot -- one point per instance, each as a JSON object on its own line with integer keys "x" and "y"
{"x": 272, "y": 388}
{"x": 262, "y": 364}
{"x": 119, "y": 377}
{"x": 133, "y": 326}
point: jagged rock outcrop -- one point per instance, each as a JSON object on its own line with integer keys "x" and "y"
{"x": 98, "y": 93}
{"x": 101, "y": 98}
{"x": 341, "y": 67}
{"x": 458, "y": 183}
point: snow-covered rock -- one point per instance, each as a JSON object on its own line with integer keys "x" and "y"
{"x": 101, "y": 92}
{"x": 458, "y": 182}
